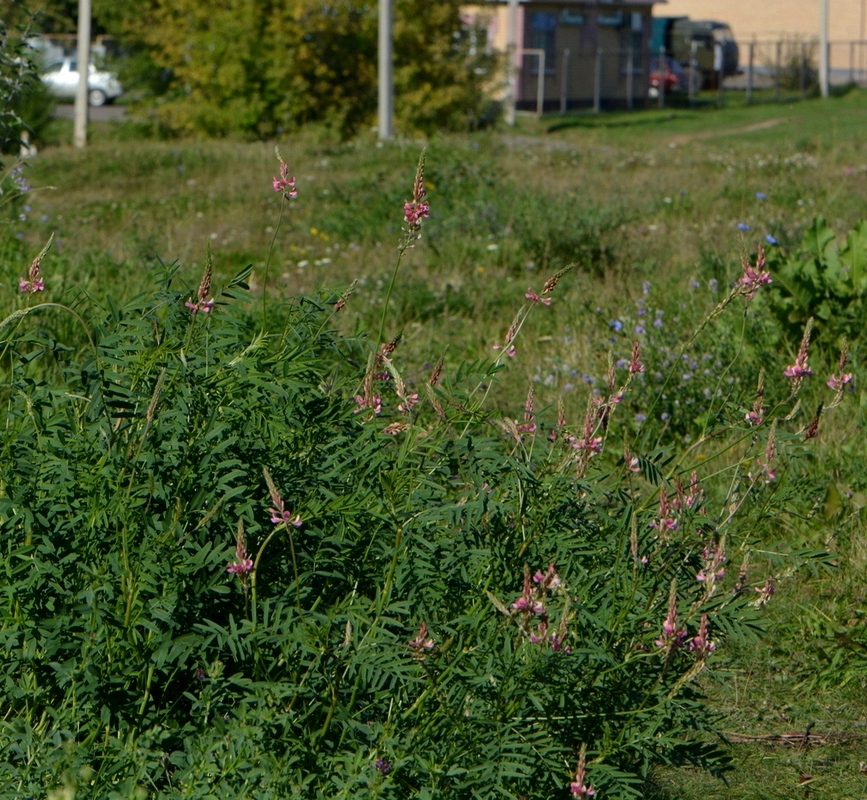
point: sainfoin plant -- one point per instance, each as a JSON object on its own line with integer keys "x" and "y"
{"x": 245, "y": 558}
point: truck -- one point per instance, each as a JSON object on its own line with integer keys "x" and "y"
{"x": 708, "y": 46}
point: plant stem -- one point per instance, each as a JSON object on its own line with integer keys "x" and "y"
{"x": 400, "y": 251}
{"x": 268, "y": 265}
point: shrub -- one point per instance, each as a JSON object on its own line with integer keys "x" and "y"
{"x": 253, "y": 560}
{"x": 18, "y": 88}
{"x": 822, "y": 280}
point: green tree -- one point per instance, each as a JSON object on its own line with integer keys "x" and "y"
{"x": 257, "y": 67}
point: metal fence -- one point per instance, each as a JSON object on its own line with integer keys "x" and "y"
{"x": 778, "y": 70}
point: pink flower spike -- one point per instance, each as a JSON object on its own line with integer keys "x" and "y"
{"x": 840, "y": 382}
{"x": 701, "y": 644}
{"x": 242, "y": 563}
{"x": 279, "y": 517}
{"x": 240, "y": 567}
{"x": 753, "y": 418}
{"x": 408, "y": 403}
{"x": 414, "y": 212}
{"x": 284, "y": 184}
{"x": 754, "y": 277}
{"x": 579, "y": 787}
{"x": 635, "y": 365}
{"x": 530, "y": 295}
{"x": 417, "y": 209}
{"x": 801, "y": 369}
{"x": 202, "y": 303}
{"x": 422, "y": 642}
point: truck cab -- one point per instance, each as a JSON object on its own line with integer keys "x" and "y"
{"x": 711, "y": 43}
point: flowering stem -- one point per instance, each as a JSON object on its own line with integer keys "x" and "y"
{"x": 255, "y": 571}
{"x": 401, "y": 250}
{"x": 268, "y": 264}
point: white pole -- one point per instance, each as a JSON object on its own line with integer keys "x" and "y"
{"x": 511, "y": 51}
{"x": 80, "y": 126}
{"x": 386, "y": 71}
{"x": 823, "y": 48}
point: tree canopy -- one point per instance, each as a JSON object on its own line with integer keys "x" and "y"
{"x": 259, "y": 67}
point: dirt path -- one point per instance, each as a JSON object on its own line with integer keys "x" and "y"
{"x": 756, "y": 126}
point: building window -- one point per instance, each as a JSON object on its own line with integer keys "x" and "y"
{"x": 543, "y": 36}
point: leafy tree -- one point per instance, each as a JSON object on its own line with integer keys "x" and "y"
{"x": 257, "y": 67}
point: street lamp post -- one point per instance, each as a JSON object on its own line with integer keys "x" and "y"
{"x": 823, "y": 48}
{"x": 386, "y": 71}
{"x": 511, "y": 54}
{"x": 80, "y": 126}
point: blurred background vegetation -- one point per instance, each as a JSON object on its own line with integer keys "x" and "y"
{"x": 258, "y": 68}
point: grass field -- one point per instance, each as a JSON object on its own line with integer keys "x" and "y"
{"x": 656, "y": 208}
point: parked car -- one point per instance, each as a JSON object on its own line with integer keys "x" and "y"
{"x": 669, "y": 74}
{"x": 61, "y": 78}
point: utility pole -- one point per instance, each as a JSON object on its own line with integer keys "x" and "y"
{"x": 80, "y": 127}
{"x": 511, "y": 52}
{"x": 823, "y": 48}
{"x": 386, "y": 70}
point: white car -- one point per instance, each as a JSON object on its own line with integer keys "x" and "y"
{"x": 61, "y": 78}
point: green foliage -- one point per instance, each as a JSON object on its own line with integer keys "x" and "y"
{"x": 258, "y": 67}
{"x": 823, "y": 280}
{"x": 453, "y": 604}
{"x": 18, "y": 86}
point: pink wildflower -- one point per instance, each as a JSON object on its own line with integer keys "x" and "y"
{"x": 756, "y": 415}
{"x": 579, "y": 787}
{"x": 770, "y": 453}
{"x": 406, "y": 405}
{"x": 801, "y": 369}
{"x": 242, "y": 563}
{"x": 33, "y": 282}
{"x": 664, "y": 522}
{"x": 672, "y": 636}
{"x": 422, "y": 642}
{"x": 374, "y": 402}
{"x": 203, "y": 303}
{"x": 843, "y": 380}
{"x": 754, "y": 277}
{"x": 548, "y": 579}
{"x": 701, "y": 644}
{"x": 840, "y": 382}
{"x": 414, "y": 212}
{"x": 765, "y": 593}
{"x": 417, "y": 209}
{"x": 529, "y": 423}
{"x": 284, "y": 184}
{"x": 546, "y": 301}
{"x": 529, "y": 601}
{"x": 395, "y": 428}
{"x": 635, "y": 365}
{"x": 714, "y": 566}
{"x": 279, "y": 513}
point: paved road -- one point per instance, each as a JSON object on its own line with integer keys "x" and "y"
{"x": 107, "y": 113}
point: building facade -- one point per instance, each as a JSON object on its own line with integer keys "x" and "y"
{"x": 574, "y": 53}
